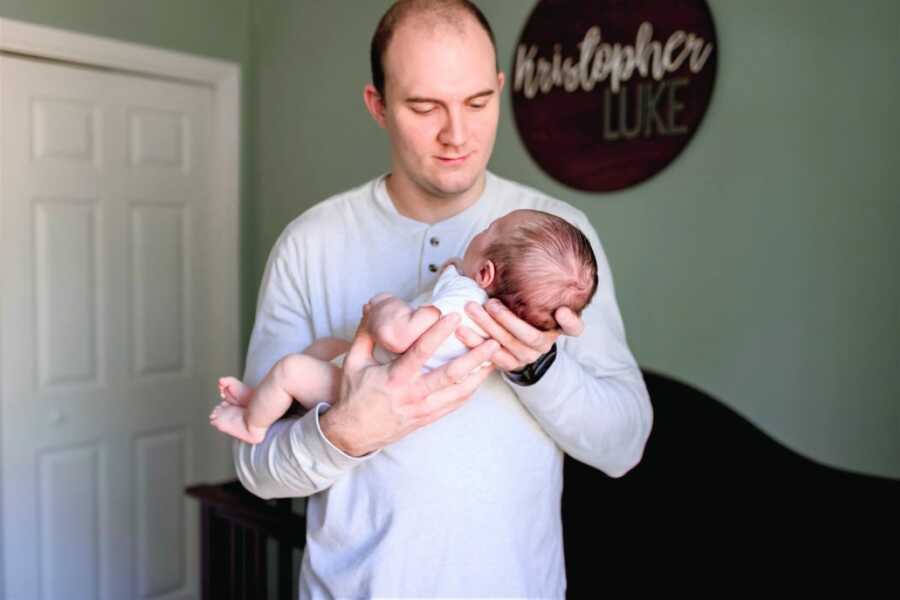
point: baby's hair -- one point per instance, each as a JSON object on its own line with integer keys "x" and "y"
{"x": 543, "y": 265}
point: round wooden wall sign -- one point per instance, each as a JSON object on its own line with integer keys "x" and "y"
{"x": 606, "y": 93}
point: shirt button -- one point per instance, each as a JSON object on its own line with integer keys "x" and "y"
{"x": 434, "y": 241}
{"x": 432, "y": 268}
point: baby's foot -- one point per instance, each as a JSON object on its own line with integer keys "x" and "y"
{"x": 234, "y": 391}
{"x": 229, "y": 418}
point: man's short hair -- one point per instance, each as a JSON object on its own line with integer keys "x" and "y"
{"x": 448, "y": 11}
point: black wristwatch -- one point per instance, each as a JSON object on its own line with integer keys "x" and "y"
{"x": 531, "y": 374}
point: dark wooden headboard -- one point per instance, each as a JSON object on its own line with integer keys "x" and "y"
{"x": 715, "y": 494}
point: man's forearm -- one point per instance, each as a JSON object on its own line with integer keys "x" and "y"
{"x": 294, "y": 460}
{"x": 602, "y": 421}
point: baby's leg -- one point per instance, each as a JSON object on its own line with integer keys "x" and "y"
{"x": 300, "y": 377}
{"x": 235, "y": 391}
{"x": 327, "y": 348}
{"x": 296, "y": 376}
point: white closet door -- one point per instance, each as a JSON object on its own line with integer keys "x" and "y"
{"x": 108, "y": 352}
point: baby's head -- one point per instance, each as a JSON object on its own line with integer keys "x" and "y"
{"x": 534, "y": 263}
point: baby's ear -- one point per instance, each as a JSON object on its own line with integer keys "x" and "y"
{"x": 486, "y": 274}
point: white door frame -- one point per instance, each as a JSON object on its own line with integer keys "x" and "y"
{"x": 225, "y": 164}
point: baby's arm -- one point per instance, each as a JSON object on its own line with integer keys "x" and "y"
{"x": 395, "y": 325}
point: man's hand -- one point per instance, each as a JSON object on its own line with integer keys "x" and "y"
{"x": 521, "y": 344}
{"x": 380, "y": 404}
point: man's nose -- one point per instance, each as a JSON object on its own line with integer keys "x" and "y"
{"x": 453, "y": 133}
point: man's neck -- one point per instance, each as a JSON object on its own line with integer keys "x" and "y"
{"x": 414, "y": 203}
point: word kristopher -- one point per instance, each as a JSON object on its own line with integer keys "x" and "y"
{"x": 655, "y": 103}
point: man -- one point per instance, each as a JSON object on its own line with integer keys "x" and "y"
{"x": 445, "y": 484}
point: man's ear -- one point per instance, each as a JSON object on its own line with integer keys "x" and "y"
{"x": 374, "y": 103}
{"x": 486, "y": 274}
{"x": 501, "y": 79}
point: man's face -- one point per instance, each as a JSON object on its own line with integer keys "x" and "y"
{"x": 442, "y": 104}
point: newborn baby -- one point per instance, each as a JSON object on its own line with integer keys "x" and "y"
{"x": 532, "y": 261}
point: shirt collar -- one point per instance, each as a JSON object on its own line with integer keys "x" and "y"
{"x": 464, "y": 220}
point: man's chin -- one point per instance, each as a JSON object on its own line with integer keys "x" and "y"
{"x": 452, "y": 187}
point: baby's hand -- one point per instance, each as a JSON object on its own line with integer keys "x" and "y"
{"x": 456, "y": 262}
{"x": 388, "y": 318}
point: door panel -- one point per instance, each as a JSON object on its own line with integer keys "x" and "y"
{"x": 107, "y": 347}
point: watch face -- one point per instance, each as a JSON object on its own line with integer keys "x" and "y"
{"x": 532, "y": 373}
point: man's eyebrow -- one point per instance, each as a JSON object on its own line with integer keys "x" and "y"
{"x": 480, "y": 95}
{"x": 418, "y": 99}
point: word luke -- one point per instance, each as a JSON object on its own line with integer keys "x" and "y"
{"x": 655, "y": 105}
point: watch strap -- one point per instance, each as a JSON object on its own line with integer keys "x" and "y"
{"x": 531, "y": 374}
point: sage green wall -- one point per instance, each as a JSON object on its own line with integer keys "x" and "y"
{"x": 216, "y": 28}
{"x": 760, "y": 266}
